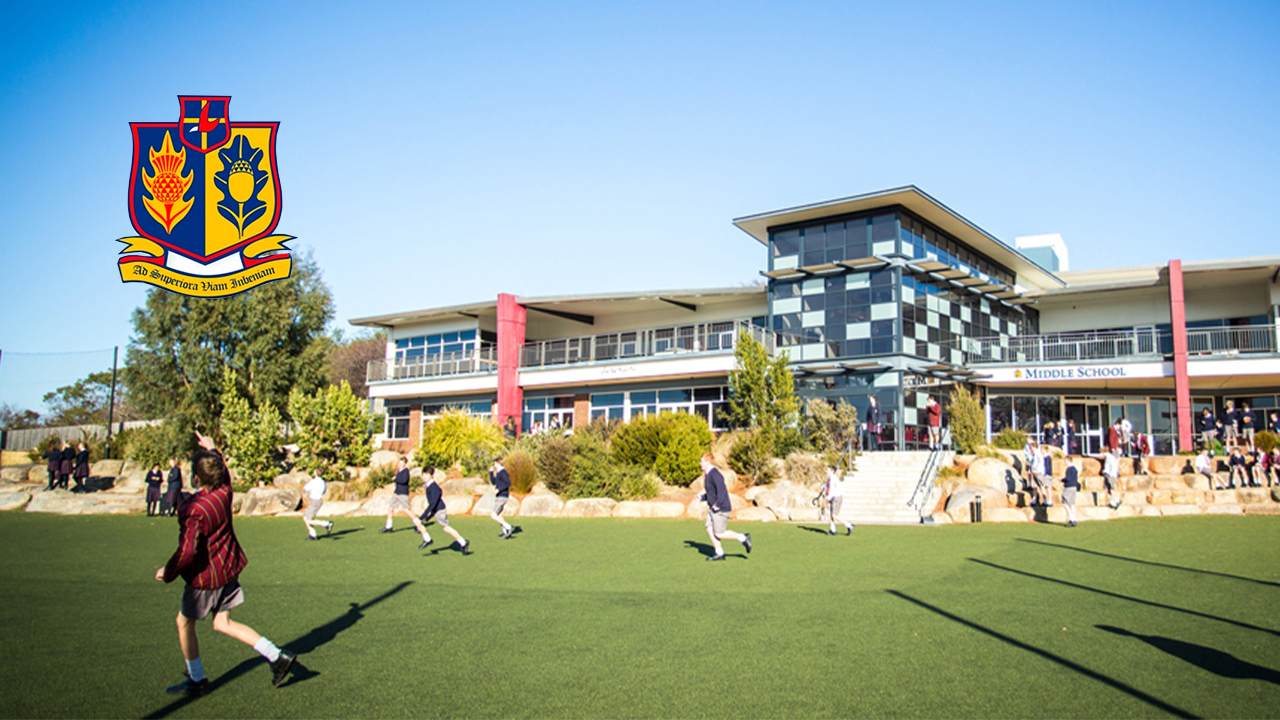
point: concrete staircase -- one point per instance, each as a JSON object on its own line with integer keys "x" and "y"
{"x": 877, "y": 491}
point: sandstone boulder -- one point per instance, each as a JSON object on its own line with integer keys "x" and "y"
{"x": 1146, "y": 482}
{"x": 117, "y": 507}
{"x": 991, "y": 500}
{"x": 291, "y": 480}
{"x": 540, "y": 504}
{"x": 1252, "y": 494}
{"x": 484, "y": 505}
{"x": 787, "y": 500}
{"x": 61, "y": 502}
{"x": 417, "y": 503}
{"x": 458, "y": 504}
{"x": 1275, "y": 493}
{"x": 1004, "y": 515}
{"x": 754, "y": 514}
{"x": 383, "y": 457}
{"x": 14, "y": 500}
{"x": 995, "y": 474}
{"x": 1166, "y": 482}
{"x": 1170, "y": 510}
{"x": 135, "y": 480}
{"x": 805, "y": 514}
{"x": 1090, "y": 466}
{"x": 1232, "y": 509}
{"x": 37, "y": 474}
{"x": 465, "y": 486}
{"x": 1170, "y": 465}
{"x": 20, "y": 473}
{"x": 338, "y": 508}
{"x": 731, "y": 481}
{"x": 698, "y": 486}
{"x": 270, "y": 501}
{"x": 649, "y": 509}
{"x": 376, "y": 505}
{"x": 753, "y": 492}
{"x": 941, "y": 518}
{"x": 697, "y": 510}
{"x": 107, "y": 468}
{"x": 1262, "y": 509}
{"x": 588, "y": 507}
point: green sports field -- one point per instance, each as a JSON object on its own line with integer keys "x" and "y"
{"x": 623, "y": 618}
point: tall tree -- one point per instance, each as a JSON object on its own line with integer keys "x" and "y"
{"x": 83, "y": 402}
{"x": 273, "y": 337}
{"x": 14, "y": 418}
{"x": 762, "y": 389}
{"x": 349, "y": 359}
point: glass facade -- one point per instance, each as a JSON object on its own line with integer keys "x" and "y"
{"x": 710, "y": 403}
{"x": 438, "y": 344}
{"x": 883, "y": 309}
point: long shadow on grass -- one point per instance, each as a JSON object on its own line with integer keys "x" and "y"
{"x": 1222, "y": 664}
{"x": 299, "y": 646}
{"x": 1070, "y": 665}
{"x": 1150, "y": 562}
{"x": 1118, "y": 596}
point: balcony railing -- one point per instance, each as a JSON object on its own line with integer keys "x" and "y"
{"x": 484, "y": 360}
{"x": 716, "y": 337}
{"x": 704, "y": 338}
{"x": 1144, "y": 343}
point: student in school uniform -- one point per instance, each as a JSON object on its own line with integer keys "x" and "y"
{"x": 209, "y": 559}
{"x": 54, "y": 458}
{"x": 173, "y": 494}
{"x": 716, "y": 496}
{"x": 314, "y": 492}
{"x": 1274, "y": 424}
{"x": 1271, "y": 466}
{"x": 1114, "y": 437}
{"x": 1248, "y": 423}
{"x": 501, "y": 482}
{"x": 872, "y": 420}
{"x": 1230, "y": 424}
{"x": 154, "y": 478}
{"x": 1111, "y": 477}
{"x": 935, "y": 423}
{"x": 833, "y": 491}
{"x": 436, "y": 509}
{"x": 66, "y": 461}
{"x": 400, "y": 501}
{"x": 81, "y": 469}
{"x": 1070, "y": 486}
{"x": 1204, "y": 466}
{"x": 1208, "y": 429}
{"x": 1239, "y": 467}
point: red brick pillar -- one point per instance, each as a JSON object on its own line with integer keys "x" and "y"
{"x": 510, "y": 339}
{"x": 1181, "y": 384}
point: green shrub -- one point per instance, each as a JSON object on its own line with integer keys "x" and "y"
{"x": 155, "y": 444}
{"x": 522, "y": 471}
{"x": 459, "y": 438}
{"x": 968, "y": 422}
{"x": 948, "y": 472}
{"x": 670, "y": 444}
{"x": 1010, "y": 439}
{"x": 602, "y": 427}
{"x": 831, "y": 427}
{"x": 36, "y": 454}
{"x": 376, "y": 478}
{"x": 1266, "y": 441}
{"x": 252, "y": 437}
{"x": 595, "y": 474}
{"x": 555, "y": 464}
{"x": 332, "y": 428}
{"x": 751, "y": 457}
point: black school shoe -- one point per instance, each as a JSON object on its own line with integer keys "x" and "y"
{"x": 189, "y": 688}
{"x": 715, "y": 558}
{"x": 280, "y": 668}
{"x": 466, "y": 548}
{"x": 746, "y": 542}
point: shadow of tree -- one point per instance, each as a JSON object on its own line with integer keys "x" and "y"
{"x": 1148, "y": 562}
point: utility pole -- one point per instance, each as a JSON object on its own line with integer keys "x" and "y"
{"x": 111, "y": 404}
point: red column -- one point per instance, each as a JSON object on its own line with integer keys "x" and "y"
{"x": 510, "y": 339}
{"x": 1182, "y": 386}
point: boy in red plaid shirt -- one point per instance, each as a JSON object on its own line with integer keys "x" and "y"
{"x": 209, "y": 559}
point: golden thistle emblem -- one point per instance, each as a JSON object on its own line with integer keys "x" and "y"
{"x": 167, "y": 186}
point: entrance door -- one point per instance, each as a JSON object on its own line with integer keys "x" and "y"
{"x": 1089, "y": 421}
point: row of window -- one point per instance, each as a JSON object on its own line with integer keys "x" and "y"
{"x": 437, "y": 344}
{"x": 710, "y": 403}
{"x": 922, "y": 241}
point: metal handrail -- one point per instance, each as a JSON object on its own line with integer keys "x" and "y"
{"x": 1107, "y": 345}
{"x": 928, "y": 475}
{"x": 483, "y": 360}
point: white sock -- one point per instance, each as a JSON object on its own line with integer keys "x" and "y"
{"x": 195, "y": 670}
{"x": 426, "y": 536}
{"x": 329, "y": 524}
{"x": 311, "y": 531}
{"x": 267, "y": 649}
{"x": 833, "y": 527}
{"x": 505, "y": 526}
{"x": 388, "y": 523}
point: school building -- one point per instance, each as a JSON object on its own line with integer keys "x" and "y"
{"x": 889, "y": 293}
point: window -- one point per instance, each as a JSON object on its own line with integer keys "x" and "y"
{"x": 398, "y": 423}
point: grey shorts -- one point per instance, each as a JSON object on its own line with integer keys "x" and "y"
{"x": 1248, "y": 433}
{"x": 499, "y": 503}
{"x": 1112, "y": 483}
{"x": 1229, "y": 432}
{"x": 441, "y": 516}
{"x": 718, "y": 522}
{"x": 835, "y": 504}
{"x": 1041, "y": 481}
{"x": 399, "y": 502}
{"x": 313, "y": 507}
{"x": 197, "y": 604}
{"x": 1069, "y": 495}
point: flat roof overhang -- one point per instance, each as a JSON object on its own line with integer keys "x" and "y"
{"x": 918, "y": 202}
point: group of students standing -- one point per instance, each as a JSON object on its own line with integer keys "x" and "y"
{"x": 66, "y": 462}
{"x": 164, "y": 503}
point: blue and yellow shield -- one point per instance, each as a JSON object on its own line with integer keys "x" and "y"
{"x": 204, "y": 198}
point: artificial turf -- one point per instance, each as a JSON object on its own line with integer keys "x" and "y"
{"x": 623, "y": 618}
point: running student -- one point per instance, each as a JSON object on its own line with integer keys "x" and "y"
{"x": 400, "y": 501}
{"x": 502, "y": 483}
{"x": 834, "y": 493}
{"x": 209, "y": 559}
{"x": 314, "y": 491}
{"x": 436, "y": 509}
{"x": 716, "y": 495}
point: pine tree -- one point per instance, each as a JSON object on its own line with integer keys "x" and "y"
{"x": 762, "y": 391}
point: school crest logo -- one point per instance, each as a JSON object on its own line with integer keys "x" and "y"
{"x": 204, "y": 198}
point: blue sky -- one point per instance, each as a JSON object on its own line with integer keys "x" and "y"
{"x": 433, "y": 153}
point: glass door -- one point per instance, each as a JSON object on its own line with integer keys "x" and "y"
{"x": 1085, "y": 426}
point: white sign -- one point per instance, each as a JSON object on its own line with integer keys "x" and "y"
{"x": 1076, "y": 373}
